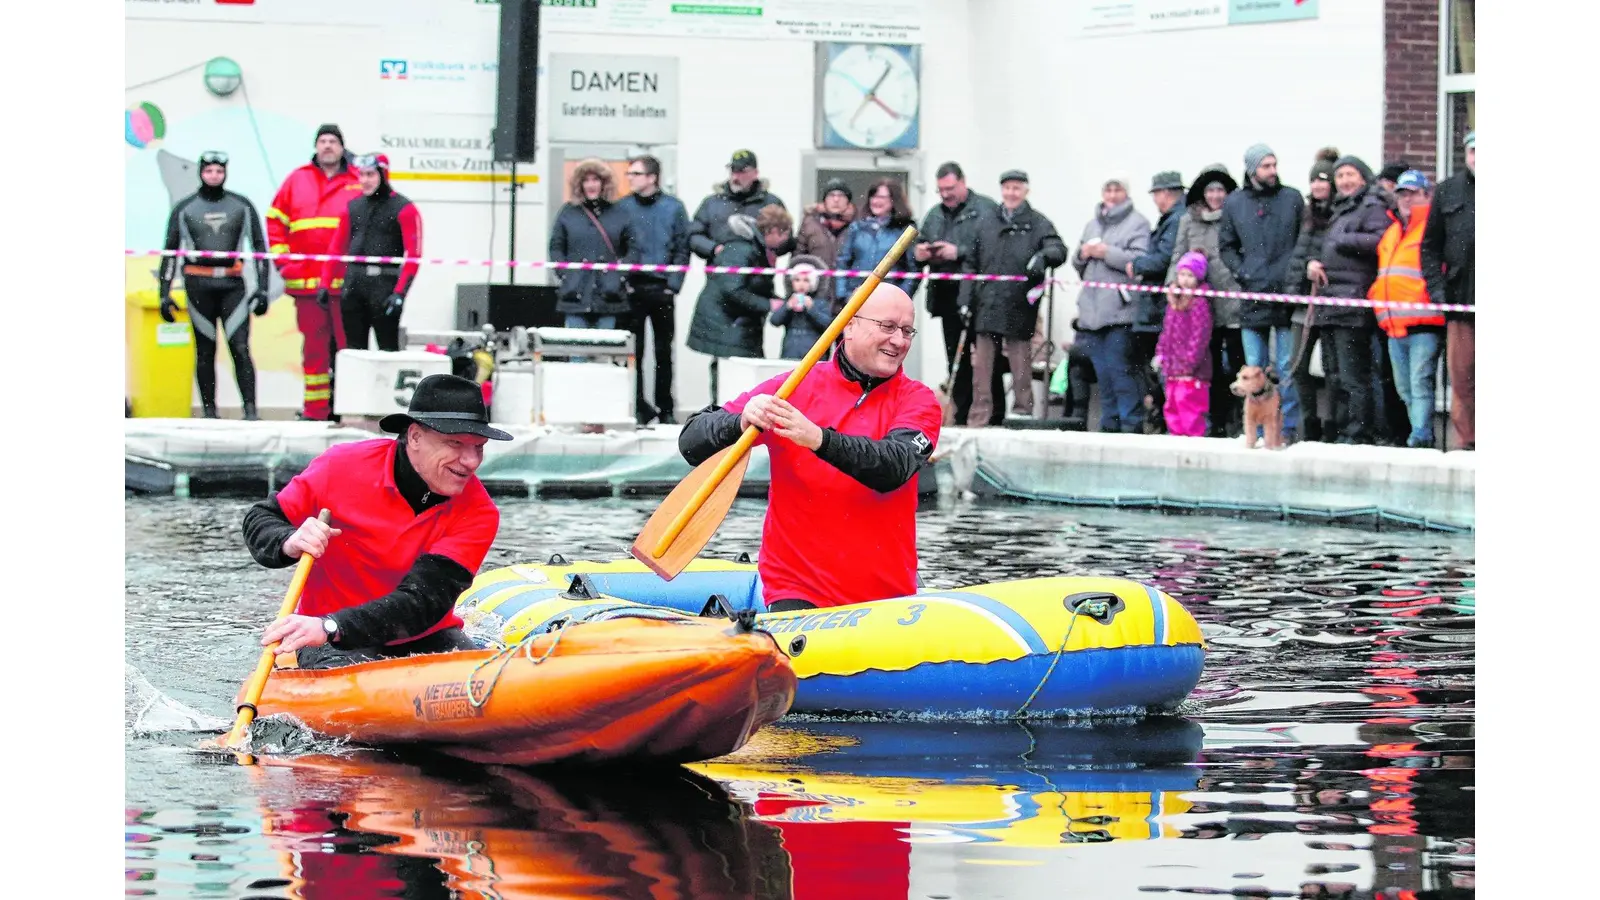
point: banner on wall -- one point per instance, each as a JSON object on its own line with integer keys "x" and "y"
{"x": 1112, "y": 18}
{"x": 873, "y": 21}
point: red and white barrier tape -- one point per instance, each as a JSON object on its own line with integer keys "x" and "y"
{"x": 770, "y": 270}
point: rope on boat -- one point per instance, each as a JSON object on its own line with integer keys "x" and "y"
{"x": 504, "y": 656}
{"x": 1089, "y": 609}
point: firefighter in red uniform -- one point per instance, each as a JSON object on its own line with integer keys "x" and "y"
{"x": 303, "y": 218}
{"x": 411, "y": 524}
{"x": 845, "y": 450}
{"x": 378, "y": 223}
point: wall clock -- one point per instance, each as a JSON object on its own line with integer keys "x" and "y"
{"x": 869, "y": 97}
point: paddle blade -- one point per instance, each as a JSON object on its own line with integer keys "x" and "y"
{"x": 692, "y": 539}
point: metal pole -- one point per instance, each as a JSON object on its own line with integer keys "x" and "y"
{"x": 513, "y": 267}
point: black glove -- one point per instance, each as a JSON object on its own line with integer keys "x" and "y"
{"x": 258, "y": 303}
{"x": 322, "y": 298}
{"x": 168, "y": 307}
{"x": 395, "y": 304}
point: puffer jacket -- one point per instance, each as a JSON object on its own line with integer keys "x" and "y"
{"x": 1126, "y": 234}
{"x": 710, "y": 225}
{"x": 659, "y": 235}
{"x": 1256, "y": 239}
{"x": 817, "y": 238}
{"x": 1197, "y": 231}
{"x": 1004, "y": 246}
{"x": 732, "y": 309}
{"x": 802, "y": 327}
{"x": 574, "y": 238}
{"x": 1349, "y": 255}
{"x": 866, "y": 242}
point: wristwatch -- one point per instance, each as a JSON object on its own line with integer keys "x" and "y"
{"x": 330, "y": 628}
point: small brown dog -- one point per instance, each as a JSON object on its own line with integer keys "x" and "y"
{"x": 1260, "y": 393}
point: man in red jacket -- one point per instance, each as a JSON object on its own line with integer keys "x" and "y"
{"x": 411, "y": 524}
{"x": 845, "y": 450}
{"x": 303, "y": 218}
{"x": 378, "y": 223}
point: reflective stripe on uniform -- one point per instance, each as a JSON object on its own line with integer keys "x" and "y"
{"x": 318, "y": 378}
{"x": 323, "y": 394}
{"x": 278, "y": 248}
{"x": 277, "y": 214}
{"x": 314, "y": 222}
{"x": 1400, "y": 271}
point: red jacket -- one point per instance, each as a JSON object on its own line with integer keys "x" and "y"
{"x": 303, "y": 218}
{"x": 828, "y": 538}
{"x": 380, "y": 535}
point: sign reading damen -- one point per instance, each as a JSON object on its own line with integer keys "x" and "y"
{"x": 613, "y": 99}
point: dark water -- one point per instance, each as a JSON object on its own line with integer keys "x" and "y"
{"x": 1328, "y": 751}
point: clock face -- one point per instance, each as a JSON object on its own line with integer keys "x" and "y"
{"x": 870, "y": 95}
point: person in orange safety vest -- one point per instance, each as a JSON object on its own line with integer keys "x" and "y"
{"x": 1415, "y": 336}
{"x": 302, "y": 219}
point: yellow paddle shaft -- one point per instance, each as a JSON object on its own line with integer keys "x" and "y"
{"x": 748, "y": 438}
{"x": 258, "y": 679}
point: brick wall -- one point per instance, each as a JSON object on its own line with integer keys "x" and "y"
{"x": 1411, "y": 84}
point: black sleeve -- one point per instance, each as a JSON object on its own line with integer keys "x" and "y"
{"x": 882, "y": 465}
{"x": 422, "y": 598}
{"x": 706, "y": 432}
{"x": 265, "y": 530}
{"x": 258, "y": 243}
{"x": 169, "y": 264}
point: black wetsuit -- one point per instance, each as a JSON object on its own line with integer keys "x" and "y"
{"x": 218, "y": 220}
{"x": 423, "y": 597}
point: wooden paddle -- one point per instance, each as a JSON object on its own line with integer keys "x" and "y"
{"x": 685, "y": 521}
{"x": 258, "y": 679}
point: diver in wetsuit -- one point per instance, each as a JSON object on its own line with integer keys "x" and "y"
{"x": 217, "y": 220}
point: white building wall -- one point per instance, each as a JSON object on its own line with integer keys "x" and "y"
{"x": 1004, "y": 85}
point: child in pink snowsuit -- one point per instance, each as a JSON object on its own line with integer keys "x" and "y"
{"x": 1184, "y": 349}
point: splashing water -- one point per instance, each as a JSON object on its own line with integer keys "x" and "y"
{"x": 146, "y": 710}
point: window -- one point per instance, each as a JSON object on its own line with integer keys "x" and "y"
{"x": 1458, "y": 81}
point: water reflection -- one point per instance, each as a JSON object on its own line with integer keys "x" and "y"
{"x": 372, "y": 825}
{"x": 1328, "y": 751}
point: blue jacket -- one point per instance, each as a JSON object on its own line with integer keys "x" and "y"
{"x": 659, "y": 235}
{"x": 866, "y": 242}
{"x": 1151, "y": 268}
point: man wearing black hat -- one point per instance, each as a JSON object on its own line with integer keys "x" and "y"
{"x": 302, "y": 219}
{"x": 217, "y": 220}
{"x": 946, "y": 240}
{"x": 381, "y": 222}
{"x": 410, "y": 526}
{"x": 744, "y": 193}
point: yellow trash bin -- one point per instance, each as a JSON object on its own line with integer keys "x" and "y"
{"x": 160, "y": 358}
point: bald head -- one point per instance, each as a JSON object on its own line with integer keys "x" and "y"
{"x": 874, "y": 340}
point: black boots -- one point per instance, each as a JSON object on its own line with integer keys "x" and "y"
{"x": 250, "y": 413}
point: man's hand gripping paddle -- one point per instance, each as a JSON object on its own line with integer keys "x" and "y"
{"x": 689, "y": 516}
{"x": 258, "y": 679}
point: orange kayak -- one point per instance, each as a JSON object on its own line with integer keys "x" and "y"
{"x": 678, "y": 690}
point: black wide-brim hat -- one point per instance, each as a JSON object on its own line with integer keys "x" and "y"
{"x": 448, "y": 404}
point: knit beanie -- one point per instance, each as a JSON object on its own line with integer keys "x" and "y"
{"x": 837, "y": 184}
{"x": 1253, "y": 158}
{"x": 331, "y": 129}
{"x": 1322, "y": 169}
{"x": 1195, "y": 262}
{"x": 1350, "y": 159}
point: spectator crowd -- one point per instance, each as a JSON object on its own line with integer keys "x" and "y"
{"x": 1166, "y": 354}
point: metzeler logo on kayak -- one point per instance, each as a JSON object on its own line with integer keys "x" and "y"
{"x": 441, "y": 702}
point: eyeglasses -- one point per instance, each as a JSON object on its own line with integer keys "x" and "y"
{"x": 213, "y": 157}
{"x": 891, "y": 327}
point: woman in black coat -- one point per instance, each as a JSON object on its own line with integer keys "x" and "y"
{"x": 1345, "y": 266}
{"x": 591, "y": 228}
{"x": 732, "y": 309}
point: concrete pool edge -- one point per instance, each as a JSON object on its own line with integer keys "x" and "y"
{"x": 1365, "y": 486}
